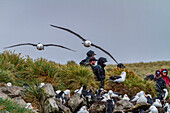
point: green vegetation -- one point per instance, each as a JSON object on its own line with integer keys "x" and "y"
{"x": 141, "y": 69}
{"x": 19, "y": 70}
{"x": 12, "y": 107}
{"x": 132, "y": 85}
{"x": 32, "y": 95}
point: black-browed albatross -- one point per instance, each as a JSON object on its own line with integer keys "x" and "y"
{"x": 39, "y": 46}
{"x": 86, "y": 43}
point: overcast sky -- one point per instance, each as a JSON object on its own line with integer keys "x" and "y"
{"x": 131, "y": 30}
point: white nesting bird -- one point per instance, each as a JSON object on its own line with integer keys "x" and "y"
{"x": 67, "y": 93}
{"x": 41, "y": 85}
{"x": 80, "y": 90}
{"x": 9, "y": 84}
{"x": 57, "y": 92}
{"x": 75, "y": 91}
{"x": 148, "y": 95}
{"x": 112, "y": 94}
{"x": 142, "y": 98}
{"x": 83, "y": 109}
{"x": 167, "y": 108}
{"x": 149, "y": 99}
{"x": 166, "y": 93}
{"x": 157, "y": 103}
{"x": 136, "y": 97}
{"x": 153, "y": 109}
{"x": 125, "y": 97}
{"x": 141, "y": 93}
{"x": 28, "y": 106}
{"x": 118, "y": 78}
{"x": 106, "y": 97}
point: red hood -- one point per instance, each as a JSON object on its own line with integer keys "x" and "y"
{"x": 166, "y": 79}
{"x": 163, "y": 70}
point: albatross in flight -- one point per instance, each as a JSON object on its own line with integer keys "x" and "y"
{"x": 39, "y": 46}
{"x": 86, "y": 43}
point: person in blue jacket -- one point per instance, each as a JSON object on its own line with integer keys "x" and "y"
{"x": 99, "y": 70}
{"x": 89, "y": 54}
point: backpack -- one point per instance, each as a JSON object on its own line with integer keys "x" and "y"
{"x": 96, "y": 69}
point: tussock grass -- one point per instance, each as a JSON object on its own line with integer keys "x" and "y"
{"x": 32, "y": 95}
{"x": 74, "y": 76}
{"x": 18, "y": 70}
{"x": 12, "y": 107}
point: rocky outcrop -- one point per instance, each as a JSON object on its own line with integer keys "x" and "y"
{"x": 62, "y": 107}
{"x": 47, "y": 101}
{"x": 123, "y": 105}
{"x": 139, "y": 107}
{"x": 3, "y": 95}
{"x": 98, "y": 107}
{"x": 50, "y": 106}
{"x": 19, "y": 101}
{"x": 75, "y": 102}
{"x": 12, "y": 91}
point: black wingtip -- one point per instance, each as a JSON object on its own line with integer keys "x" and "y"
{"x": 52, "y": 25}
{"x": 73, "y": 50}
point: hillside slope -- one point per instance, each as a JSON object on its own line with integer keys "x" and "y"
{"x": 142, "y": 69}
{"x": 19, "y": 70}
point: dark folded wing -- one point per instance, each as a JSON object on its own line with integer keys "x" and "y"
{"x": 105, "y": 52}
{"x": 69, "y": 31}
{"x": 115, "y": 77}
{"x": 117, "y": 93}
{"x": 59, "y": 46}
{"x": 20, "y": 45}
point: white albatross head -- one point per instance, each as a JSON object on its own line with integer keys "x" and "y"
{"x": 87, "y": 43}
{"x": 40, "y": 46}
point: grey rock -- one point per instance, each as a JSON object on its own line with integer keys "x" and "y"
{"x": 98, "y": 107}
{"x": 118, "y": 111}
{"x": 62, "y": 107}
{"x": 123, "y": 105}
{"x": 4, "y": 96}
{"x": 48, "y": 91}
{"x": 47, "y": 100}
{"x": 20, "y": 101}
{"x": 12, "y": 91}
{"x": 138, "y": 107}
{"x": 75, "y": 102}
{"x": 50, "y": 106}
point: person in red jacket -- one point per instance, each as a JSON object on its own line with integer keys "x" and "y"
{"x": 164, "y": 75}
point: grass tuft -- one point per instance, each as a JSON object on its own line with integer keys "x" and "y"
{"x": 12, "y": 107}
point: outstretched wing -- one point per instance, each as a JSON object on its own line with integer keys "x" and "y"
{"x": 104, "y": 51}
{"x": 70, "y": 32}
{"x": 59, "y": 46}
{"x": 20, "y": 45}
